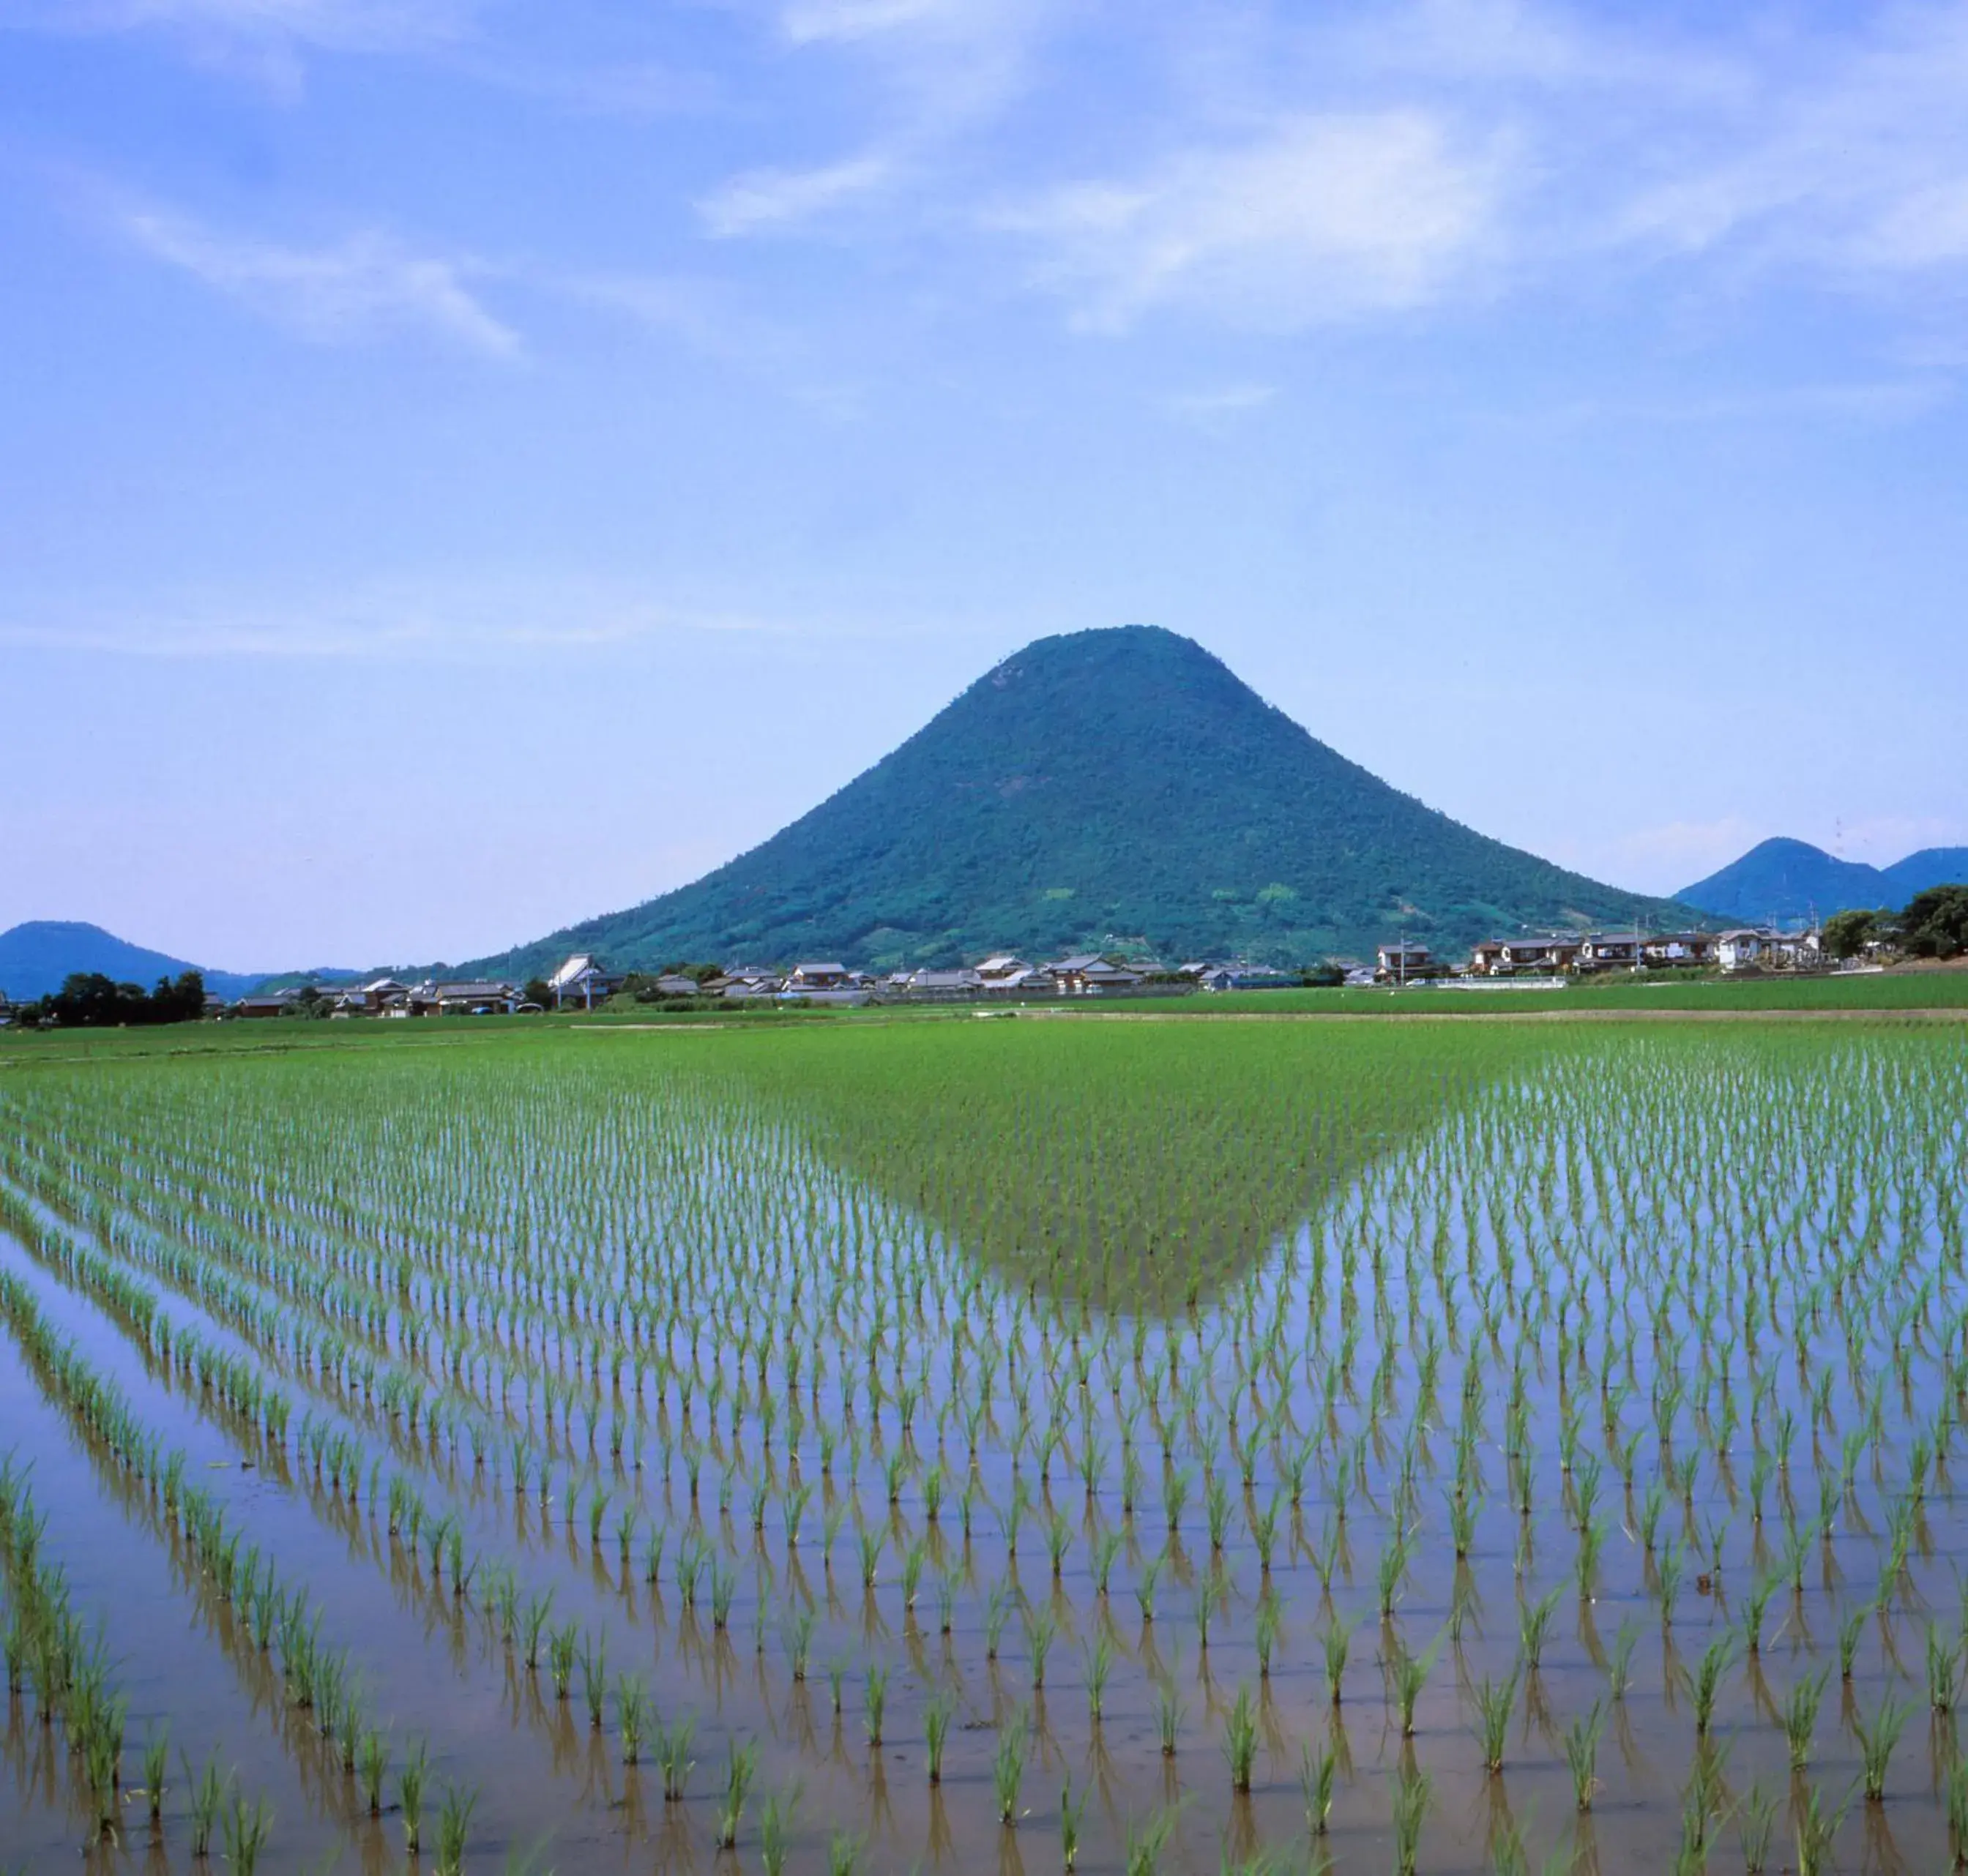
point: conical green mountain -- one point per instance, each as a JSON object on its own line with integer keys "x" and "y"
{"x": 1103, "y": 788}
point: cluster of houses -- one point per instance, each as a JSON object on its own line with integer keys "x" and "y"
{"x": 1570, "y": 954}
{"x": 582, "y": 982}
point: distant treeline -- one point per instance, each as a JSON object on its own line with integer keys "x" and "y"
{"x": 88, "y": 1000}
{"x": 1932, "y": 924}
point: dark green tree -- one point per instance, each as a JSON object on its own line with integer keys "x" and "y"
{"x": 1935, "y": 923}
{"x": 1848, "y": 933}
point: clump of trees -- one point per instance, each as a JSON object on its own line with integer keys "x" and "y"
{"x": 1933, "y": 924}
{"x": 88, "y": 1000}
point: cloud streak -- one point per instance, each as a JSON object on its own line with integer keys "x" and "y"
{"x": 392, "y": 622}
{"x": 368, "y": 283}
{"x": 337, "y": 25}
{"x": 765, "y": 200}
{"x": 1327, "y": 217}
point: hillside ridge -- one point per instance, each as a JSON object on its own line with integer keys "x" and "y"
{"x": 1786, "y": 880}
{"x": 1117, "y": 787}
{"x": 37, "y": 955}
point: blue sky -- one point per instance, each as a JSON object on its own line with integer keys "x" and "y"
{"x": 466, "y": 466}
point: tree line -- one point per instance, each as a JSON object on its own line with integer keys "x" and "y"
{"x": 88, "y": 1000}
{"x": 1932, "y": 924}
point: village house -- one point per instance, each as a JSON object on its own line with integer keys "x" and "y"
{"x": 1610, "y": 951}
{"x": 1761, "y": 948}
{"x": 817, "y": 977}
{"x": 946, "y": 986}
{"x": 1025, "y": 982}
{"x": 581, "y": 980}
{"x": 1681, "y": 948}
{"x": 1398, "y": 963}
{"x": 267, "y": 1004}
{"x": 1551, "y": 952}
{"x": 478, "y": 997}
{"x": 740, "y": 984}
{"x": 1090, "y": 974}
{"x": 369, "y": 999}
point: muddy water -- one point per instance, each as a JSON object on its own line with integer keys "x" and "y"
{"x": 543, "y": 1777}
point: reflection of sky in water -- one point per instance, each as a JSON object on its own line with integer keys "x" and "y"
{"x": 1702, "y": 1230}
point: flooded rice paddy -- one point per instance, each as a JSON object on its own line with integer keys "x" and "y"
{"x": 997, "y": 1446}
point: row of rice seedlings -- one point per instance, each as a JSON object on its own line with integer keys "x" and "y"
{"x": 319, "y": 1682}
{"x": 318, "y": 1679}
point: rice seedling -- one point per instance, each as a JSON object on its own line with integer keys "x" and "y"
{"x": 1494, "y": 1705}
{"x": 454, "y": 1829}
{"x": 843, "y": 1854}
{"x": 1816, "y": 1833}
{"x": 1098, "y": 1659}
{"x": 1071, "y": 1813}
{"x": 775, "y": 1817}
{"x": 632, "y": 1715}
{"x": 1317, "y": 1776}
{"x": 672, "y": 1753}
{"x": 1581, "y": 1755}
{"x": 1944, "y": 1670}
{"x": 1756, "y": 1825}
{"x": 1877, "y": 1737}
{"x": 1337, "y": 1643}
{"x": 1413, "y": 1790}
{"x": 157, "y": 1759}
{"x": 1008, "y": 1766}
{"x": 1800, "y": 1717}
{"x": 936, "y": 1716}
{"x": 1169, "y": 1713}
{"x": 1534, "y": 1628}
{"x": 247, "y": 1827}
{"x": 207, "y": 1790}
{"x": 411, "y": 1779}
{"x": 741, "y": 1767}
{"x": 1240, "y": 1743}
{"x": 1143, "y": 1843}
{"x": 1707, "y": 1680}
{"x": 1410, "y": 1676}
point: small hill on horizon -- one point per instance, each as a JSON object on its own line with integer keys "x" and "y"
{"x": 1784, "y": 880}
{"x": 37, "y": 956}
{"x": 1120, "y": 788}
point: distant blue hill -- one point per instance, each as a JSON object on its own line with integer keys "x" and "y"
{"x": 1785, "y": 880}
{"x": 35, "y": 957}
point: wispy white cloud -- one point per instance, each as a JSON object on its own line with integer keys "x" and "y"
{"x": 1877, "y": 402}
{"x": 368, "y": 282}
{"x": 947, "y": 64}
{"x": 1848, "y": 157}
{"x": 340, "y": 25}
{"x": 806, "y": 21}
{"x": 761, "y": 200}
{"x": 1226, "y": 400}
{"x": 1324, "y": 217}
{"x": 641, "y": 87}
{"x": 409, "y": 620}
{"x": 704, "y": 313}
